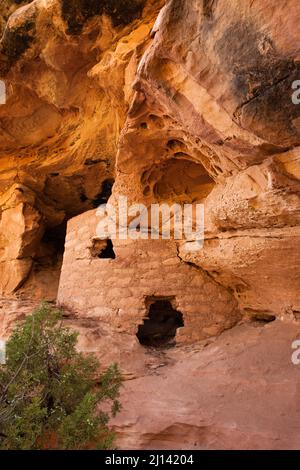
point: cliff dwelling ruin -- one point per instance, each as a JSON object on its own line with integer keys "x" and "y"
{"x": 161, "y": 102}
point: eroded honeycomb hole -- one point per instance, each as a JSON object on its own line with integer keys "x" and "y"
{"x": 258, "y": 318}
{"x": 263, "y": 318}
{"x": 160, "y": 327}
{"x": 178, "y": 180}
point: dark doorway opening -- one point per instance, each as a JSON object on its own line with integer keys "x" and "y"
{"x": 160, "y": 328}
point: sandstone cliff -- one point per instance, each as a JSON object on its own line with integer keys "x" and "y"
{"x": 161, "y": 102}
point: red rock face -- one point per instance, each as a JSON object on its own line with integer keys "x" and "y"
{"x": 162, "y": 102}
{"x": 239, "y": 392}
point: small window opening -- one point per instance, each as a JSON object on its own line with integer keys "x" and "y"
{"x": 102, "y": 249}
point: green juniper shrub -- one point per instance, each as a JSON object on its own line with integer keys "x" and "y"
{"x": 51, "y": 395}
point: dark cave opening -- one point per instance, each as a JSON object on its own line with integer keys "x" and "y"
{"x": 54, "y": 240}
{"x": 43, "y": 279}
{"x": 104, "y": 195}
{"x": 160, "y": 327}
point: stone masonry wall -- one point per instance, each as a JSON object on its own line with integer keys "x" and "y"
{"x": 115, "y": 291}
